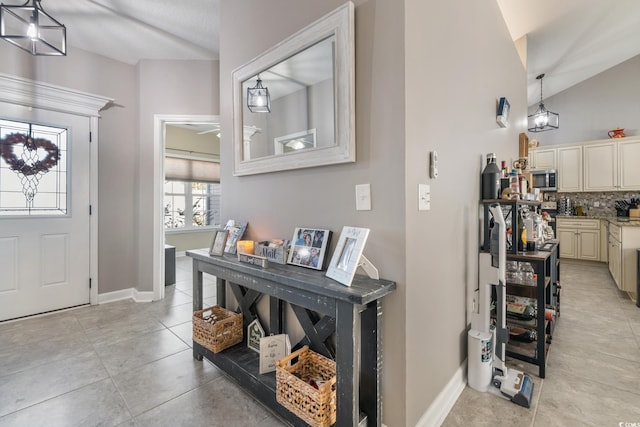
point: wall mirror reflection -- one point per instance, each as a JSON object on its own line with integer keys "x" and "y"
{"x": 294, "y": 104}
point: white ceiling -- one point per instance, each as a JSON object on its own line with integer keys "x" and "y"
{"x": 572, "y": 40}
{"x": 568, "y": 40}
{"x": 129, "y": 30}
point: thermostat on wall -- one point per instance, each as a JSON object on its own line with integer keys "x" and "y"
{"x": 433, "y": 164}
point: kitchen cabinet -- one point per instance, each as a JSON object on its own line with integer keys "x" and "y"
{"x": 624, "y": 241}
{"x": 600, "y": 166}
{"x": 628, "y": 170}
{"x": 579, "y": 238}
{"x": 615, "y": 254}
{"x": 542, "y": 158}
{"x": 569, "y": 169}
{"x": 604, "y": 240}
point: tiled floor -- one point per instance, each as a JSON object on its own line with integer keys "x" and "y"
{"x": 118, "y": 364}
{"x": 131, "y": 364}
{"x": 593, "y": 368}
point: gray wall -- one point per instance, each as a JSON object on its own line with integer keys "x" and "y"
{"x": 448, "y": 103}
{"x": 324, "y": 197}
{"x": 117, "y": 157}
{"x": 589, "y": 109}
{"x": 459, "y": 59}
{"x": 165, "y": 87}
{"x": 125, "y": 149}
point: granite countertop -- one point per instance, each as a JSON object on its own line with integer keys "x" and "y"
{"x": 620, "y": 221}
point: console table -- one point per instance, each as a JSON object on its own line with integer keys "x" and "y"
{"x": 323, "y": 307}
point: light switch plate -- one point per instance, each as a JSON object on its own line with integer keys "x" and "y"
{"x": 424, "y": 197}
{"x": 363, "y": 197}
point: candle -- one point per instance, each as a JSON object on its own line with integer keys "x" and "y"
{"x": 245, "y": 246}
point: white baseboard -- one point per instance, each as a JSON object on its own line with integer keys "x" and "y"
{"x": 146, "y": 296}
{"x": 439, "y": 409}
{"x": 130, "y": 293}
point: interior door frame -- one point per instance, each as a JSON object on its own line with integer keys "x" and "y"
{"x": 159, "y": 123}
{"x": 34, "y": 94}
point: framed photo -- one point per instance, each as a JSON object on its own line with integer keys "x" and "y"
{"x": 218, "y": 243}
{"x": 346, "y": 257}
{"x": 308, "y": 248}
{"x": 236, "y": 230}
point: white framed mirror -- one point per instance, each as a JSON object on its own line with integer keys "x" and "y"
{"x": 309, "y": 118}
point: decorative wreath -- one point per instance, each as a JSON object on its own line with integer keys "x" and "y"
{"x": 7, "y": 152}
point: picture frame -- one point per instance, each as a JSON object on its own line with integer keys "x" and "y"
{"x": 218, "y": 242}
{"x": 346, "y": 257}
{"x": 236, "y": 230}
{"x": 309, "y": 247}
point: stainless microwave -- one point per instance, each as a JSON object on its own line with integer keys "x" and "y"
{"x": 545, "y": 180}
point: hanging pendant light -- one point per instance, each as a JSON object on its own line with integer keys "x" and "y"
{"x": 258, "y": 98}
{"x": 543, "y": 119}
{"x": 32, "y": 29}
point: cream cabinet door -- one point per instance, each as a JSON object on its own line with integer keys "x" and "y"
{"x": 543, "y": 159}
{"x": 628, "y": 159}
{"x": 570, "y": 169}
{"x": 600, "y": 167}
{"x": 567, "y": 238}
{"x": 615, "y": 255}
{"x": 589, "y": 245}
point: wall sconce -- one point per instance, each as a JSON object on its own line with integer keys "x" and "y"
{"x": 32, "y": 29}
{"x": 543, "y": 119}
{"x": 258, "y": 98}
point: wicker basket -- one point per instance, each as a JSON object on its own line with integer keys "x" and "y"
{"x": 217, "y": 328}
{"x": 316, "y": 407}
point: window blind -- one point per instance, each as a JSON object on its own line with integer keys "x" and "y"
{"x": 179, "y": 169}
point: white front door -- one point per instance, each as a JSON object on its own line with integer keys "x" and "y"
{"x": 44, "y": 244}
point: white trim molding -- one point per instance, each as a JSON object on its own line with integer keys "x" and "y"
{"x": 441, "y": 406}
{"x": 34, "y": 94}
{"x": 159, "y": 123}
{"x": 122, "y": 294}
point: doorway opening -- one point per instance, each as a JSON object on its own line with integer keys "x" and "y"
{"x": 200, "y": 125}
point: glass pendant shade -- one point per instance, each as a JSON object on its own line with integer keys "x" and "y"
{"x": 542, "y": 119}
{"x": 33, "y": 30}
{"x": 258, "y": 98}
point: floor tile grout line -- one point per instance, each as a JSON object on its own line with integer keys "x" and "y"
{"x": 57, "y": 396}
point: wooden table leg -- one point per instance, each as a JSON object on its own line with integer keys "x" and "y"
{"x": 197, "y": 299}
{"x": 347, "y": 364}
{"x": 370, "y": 390}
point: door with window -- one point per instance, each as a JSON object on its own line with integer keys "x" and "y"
{"x": 44, "y": 211}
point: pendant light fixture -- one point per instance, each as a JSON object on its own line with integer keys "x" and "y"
{"x": 543, "y": 119}
{"x": 258, "y": 98}
{"x": 32, "y": 29}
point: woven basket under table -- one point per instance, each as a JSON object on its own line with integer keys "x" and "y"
{"x": 317, "y": 407}
{"x": 217, "y": 328}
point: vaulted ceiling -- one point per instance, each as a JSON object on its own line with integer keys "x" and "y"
{"x": 568, "y": 40}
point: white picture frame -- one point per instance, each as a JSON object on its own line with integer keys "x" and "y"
{"x": 346, "y": 257}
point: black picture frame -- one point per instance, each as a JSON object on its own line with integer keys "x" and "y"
{"x": 309, "y": 247}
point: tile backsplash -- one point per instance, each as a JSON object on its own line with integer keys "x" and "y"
{"x": 596, "y": 204}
